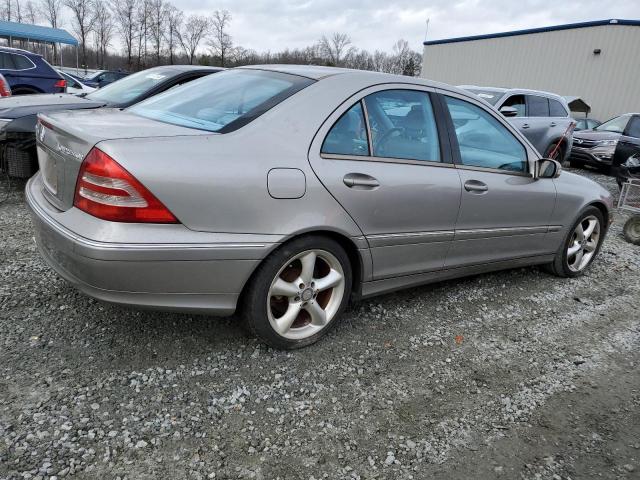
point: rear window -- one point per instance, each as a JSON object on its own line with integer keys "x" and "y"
{"x": 222, "y": 102}
{"x": 556, "y": 109}
{"x": 538, "y": 106}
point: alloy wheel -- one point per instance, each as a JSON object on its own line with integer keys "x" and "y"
{"x": 583, "y": 244}
{"x": 306, "y": 294}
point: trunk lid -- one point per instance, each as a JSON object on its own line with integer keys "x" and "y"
{"x": 64, "y": 139}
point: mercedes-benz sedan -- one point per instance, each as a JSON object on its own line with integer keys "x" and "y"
{"x": 282, "y": 192}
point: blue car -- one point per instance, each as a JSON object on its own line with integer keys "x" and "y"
{"x": 28, "y": 72}
{"x": 102, "y": 78}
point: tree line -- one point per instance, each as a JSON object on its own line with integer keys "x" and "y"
{"x": 155, "y": 32}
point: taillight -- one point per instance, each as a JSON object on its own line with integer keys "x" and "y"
{"x": 5, "y": 89}
{"x": 106, "y": 190}
{"x": 60, "y": 83}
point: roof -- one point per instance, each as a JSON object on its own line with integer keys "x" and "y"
{"x": 514, "y": 90}
{"x": 36, "y": 32}
{"x": 553, "y": 28}
{"x": 314, "y": 72}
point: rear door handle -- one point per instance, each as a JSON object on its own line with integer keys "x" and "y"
{"x": 360, "y": 181}
{"x": 525, "y": 125}
{"x": 552, "y": 124}
{"x": 476, "y": 186}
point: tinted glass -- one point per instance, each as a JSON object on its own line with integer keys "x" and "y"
{"x": 616, "y": 125}
{"x": 538, "y": 106}
{"x": 633, "y": 129}
{"x": 483, "y": 140}
{"x": 403, "y": 125}
{"x": 22, "y": 62}
{"x": 487, "y": 95}
{"x": 592, "y": 123}
{"x": 132, "y": 87}
{"x": 221, "y": 102}
{"x": 6, "y": 61}
{"x": 556, "y": 109}
{"x": 348, "y": 136}
{"x": 517, "y": 102}
{"x": 581, "y": 124}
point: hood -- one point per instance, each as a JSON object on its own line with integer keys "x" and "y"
{"x": 595, "y": 135}
{"x": 23, "y": 105}
{"x": 572, "y": 183}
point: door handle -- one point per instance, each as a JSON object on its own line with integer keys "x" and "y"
{"x": 552, "y": 124}
{"x": 525, "y": 125}
{"x": 360, "y": 181}
{"x": 476, "y": 186}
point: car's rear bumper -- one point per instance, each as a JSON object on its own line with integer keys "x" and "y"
{"x": 201, "y": 276}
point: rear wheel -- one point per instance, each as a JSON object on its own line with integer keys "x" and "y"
{"x": 298, "y": 293}
{"x": 24, "y": 91}
{"x": 581, "y": 245}
{"x": 631, "y": 230}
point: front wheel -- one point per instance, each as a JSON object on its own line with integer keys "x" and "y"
{"x": 581, "y": 245}
{"x": 297, "y": 294}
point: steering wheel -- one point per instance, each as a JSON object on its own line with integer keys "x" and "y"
{"x": 386, "y": 136}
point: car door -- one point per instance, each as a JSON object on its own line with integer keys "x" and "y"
{"x": 386, "y": 160}
{"x": 538, "y": 123}
{"x": 504, "y": 211}
{"x": 629, "y": 143}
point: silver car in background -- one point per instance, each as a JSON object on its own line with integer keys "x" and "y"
{"x": 543, "y": 117}
{"x": 282, "y": 192}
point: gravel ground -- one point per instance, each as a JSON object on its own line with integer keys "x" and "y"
{"x": 515, "y": 375}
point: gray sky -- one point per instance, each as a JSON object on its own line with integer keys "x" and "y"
{"x": 376, "y": 24}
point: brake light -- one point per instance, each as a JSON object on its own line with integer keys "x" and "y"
{"x": 5, "y": 89}
{"x": 106, "y": 190}
{"x": 60, "y": 83}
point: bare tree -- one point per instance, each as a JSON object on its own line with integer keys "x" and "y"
{"x": 172, "y": 32}
{"x": 193, "y": 31}
{"x": 6, "y": 10}
{"x": 83, "y": 20}
{"x": 31, "y": 13}
{"x": 221, "y": 42}
{"x": 125, "y": 19}
{"x": 143, "y": 35}
{"x": 157, "y": 19}
{"x": 103, "y": 32}
{"x": 336, "y": 48}
{"x": 17, "y": 12}
{"x": 51, "y": 11}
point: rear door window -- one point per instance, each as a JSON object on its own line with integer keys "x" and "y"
{"x": 517, "y": 102}
{"x": 348, "y": 136}
{"x": 6, "y": 61}
{"x": 556, "y": 109}
{"x": 22, "y": 63}
{"x": 538, "y": 106}
{"x": 403, "y": 125}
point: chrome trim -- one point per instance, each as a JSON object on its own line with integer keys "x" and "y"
{"x": 363, "y": 158}
{"x": 498, "y": 232}
{"x": 389, "y": 239}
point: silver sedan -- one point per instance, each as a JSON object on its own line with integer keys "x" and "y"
{"x": 284, "y": 192}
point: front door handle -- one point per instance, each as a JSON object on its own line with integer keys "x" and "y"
{"x": 525, "y": 125}
{"x": 360, "y": 181}
{"x": 475, "y": 186}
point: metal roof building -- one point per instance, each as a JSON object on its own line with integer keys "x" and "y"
{"x": 23, "y": 31}
{"x": 596, "y": 61}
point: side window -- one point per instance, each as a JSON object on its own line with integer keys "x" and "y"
{"x": 483, "y": 140}
{"x": 538, "y": 106}
{"x": 581, "y": 124}
{"x": 633, "y": 129}
{"x": 348, "y": 136}
{"x": 403, "y": 125}
{"x": 556, "y": 109}
{"x": 517, "y": 102}
{"x": 21, "y": 62}
{"x": 6, "y": 61}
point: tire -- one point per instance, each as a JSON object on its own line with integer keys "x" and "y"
{"x": 566, "y": 265}
{"x": 631, "y": 230}
{"x": 24, "y": 91}
{"x": 303, "y": 301}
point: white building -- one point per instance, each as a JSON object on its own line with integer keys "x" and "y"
{"x": 596, "y": 61}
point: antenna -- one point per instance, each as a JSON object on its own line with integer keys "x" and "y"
{"x": 426, "y": 32}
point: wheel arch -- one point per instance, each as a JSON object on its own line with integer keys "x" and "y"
{"x": 22, "y": 89}
{"x": 606, "y": 215}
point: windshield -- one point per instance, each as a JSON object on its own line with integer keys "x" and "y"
{"x": 487, "y": 95}
{"x": 222, "y": 102}
{"x": 615, "y": 125}
{"x": 131, "y": 87}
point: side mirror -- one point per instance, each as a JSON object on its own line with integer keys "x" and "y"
{"x": 548, "y": 168}
{"x": 509, "y": 112}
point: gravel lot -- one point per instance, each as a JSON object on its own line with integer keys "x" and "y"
{"x": 515, "y": 375}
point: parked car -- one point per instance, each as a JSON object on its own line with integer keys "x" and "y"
{"x": 586, "y": 124}
{"x": 5, "y": 88}
{"x": 18, "y": 115}
{"x": 609, "y": 145}
{"x": 74, "y": 85}
{"x": 286, "y": 191}
{"x": 29, "y": 73}
{"x": 103, "y": 78}
{"x": 629, "y": 170}
{"x": 542, "y": 117}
